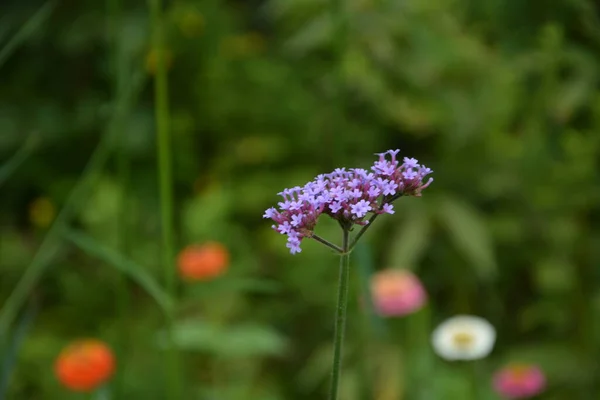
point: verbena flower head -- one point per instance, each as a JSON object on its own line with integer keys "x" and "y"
{"x": 463, "y": 337}
{"x": 519, "y": 381}
{"x": 397, "y": 293}
{"x": 347, "y": 196}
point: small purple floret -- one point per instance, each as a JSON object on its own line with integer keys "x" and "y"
{"x": 361, "y": 208}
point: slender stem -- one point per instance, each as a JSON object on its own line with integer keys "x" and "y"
{"x": 340, "y": 317}
{"x": 327, "y": 243}
{"x": 35, "y": 22}
{"x": 122, "y": 300}
{"x": 363, "y": 230}
{"x": 11, "y": 351}
{"x": 161, "y": 98}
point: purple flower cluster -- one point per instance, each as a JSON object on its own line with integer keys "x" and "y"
{"x": 347, "y": 196}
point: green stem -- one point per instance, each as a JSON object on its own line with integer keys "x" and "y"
{"x": 327, "y": 243}
{"x": 123, "y": 298}
{"x": 340, "y": 317}
{"x": 120, "y": 73}
{"x": 165, "y": 180}
{"x": 34, "y": 23}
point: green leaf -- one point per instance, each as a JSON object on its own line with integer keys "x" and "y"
{"x": 116, "y": 260}
{"x": 247, "y": 340}
{"x": 410, "y": 240}
{"x": 469, "y": 233}
{"x": 232, "y": 285}
{"x": 11, "y": 350}
{"x": 315, "y": 33}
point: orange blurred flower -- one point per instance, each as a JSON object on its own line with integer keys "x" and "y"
{"x": 84, "y": 365}
{"x": 203, "y": 262}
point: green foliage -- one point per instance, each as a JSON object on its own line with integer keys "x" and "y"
{"x": 469, "y": 234}
{"x": 227, "y": 342}
{"x": 499, "y": 98}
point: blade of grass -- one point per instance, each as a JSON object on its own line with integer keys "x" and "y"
{"x": 12, "y": 349}
{"x": 11, "y": 165}
{"x": 136, "y": 272}
{"x": 50, "y": 243}
{"x": 165, "y": 182}
{"x": 28, "y": 28}
{"x": 122, "y": 301}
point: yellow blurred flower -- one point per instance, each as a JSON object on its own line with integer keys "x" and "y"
{"x": 41, "y": 212}
{"x": 244, "y": 45}
{"x": 191, "y": 23}
{"x": 152, "y": 59}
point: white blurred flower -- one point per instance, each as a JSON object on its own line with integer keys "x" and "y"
{"x": 463, "y": 337}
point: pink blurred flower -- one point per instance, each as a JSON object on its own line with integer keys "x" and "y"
{"x": 397, "y": 292}
{"x": 519, "y": 381}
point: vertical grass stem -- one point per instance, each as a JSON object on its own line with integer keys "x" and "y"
{"x": 165, "y": 181}
{"x": 120, "y": 73}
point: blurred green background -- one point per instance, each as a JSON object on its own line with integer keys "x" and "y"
{"x": 500, "y": 98}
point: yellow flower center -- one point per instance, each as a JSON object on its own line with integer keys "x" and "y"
{"x": 463, "y": 340}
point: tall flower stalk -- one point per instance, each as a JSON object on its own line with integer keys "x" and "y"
{"x": 165, "y": 183}
{"x": 351, "y": 197}
{"x": 340, "y": 316}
